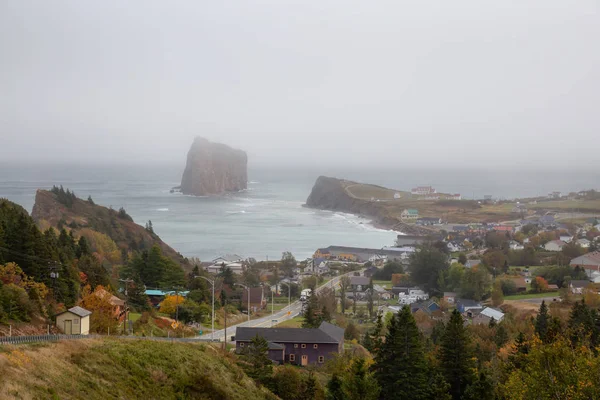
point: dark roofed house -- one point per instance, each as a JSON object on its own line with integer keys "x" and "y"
{"x": 468, "y": 306}
{"x": 370, "y": 271}
{"x": 577, "y": 286}
{"x": 257, "y": 299}
{"x": 359, "y": 283}
{"x": 429, "y": 307}
{"x": 300, "y": 346}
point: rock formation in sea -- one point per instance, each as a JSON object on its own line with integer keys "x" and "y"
{"x": 214, "y": 168}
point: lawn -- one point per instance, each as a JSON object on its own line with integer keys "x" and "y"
{"x": 295, "y": 322}
{"x": 134, "y": 316}
{"x": 385, "y": 284}
{"x": 531, "y": 296}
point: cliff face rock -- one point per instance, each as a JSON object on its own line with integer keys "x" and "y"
{"x": 84, "y": 218}
{"x": 331, "y": 194}
{"x": 214, "y": 168}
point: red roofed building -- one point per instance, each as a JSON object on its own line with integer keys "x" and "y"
{"x": 503, "y": 228}
{"x": 590, "y": 262}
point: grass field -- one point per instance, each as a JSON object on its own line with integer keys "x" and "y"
{"x": 122, "y": 369}
{"x": 569, "y": 205}
{"x": 385, "y": 284}
{"x": 295, "y": 322}
{"x": 531, "y": 296}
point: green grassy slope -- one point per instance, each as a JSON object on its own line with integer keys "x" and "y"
{"x": 118, "y": 369}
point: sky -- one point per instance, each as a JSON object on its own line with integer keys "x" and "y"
{"x": 361, "y": 83}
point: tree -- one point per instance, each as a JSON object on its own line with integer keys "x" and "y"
{"x": 539, "y": 285}
{"x": 501, "y": 336}
{"x": 370, "y": 296}
{"x": 170, "y": 303}
{"x": 256, "y": 362}
{"x": 227, "y": 275}
{"x": 89, "y": 200}
{"x": 312, "y": 313}
{"x": 82, "y": 247}
{"x": 390, "y": 268}
{"x": 351, "y": 332}
{"x": 455, "y": 356}
{"x": 335, "y": 390}
{"x": 497, "y": 294}
{"x": 400, "y": 365}
{"x": 542, "y": 322}
{"x": 475, "y": 283}
{"x": 98, "y": 302}
{"x": 462, "y": 258}
{"x": 288, "y": 263}
{"x": 344, "y": 285}
{"x": 136, "y": 294}
{"x": 360, "y": 384}
{"x": 495, "y": 260}
{"x": 149, "y": 227}
{"x": 481, "y": 389}
{"x": 426, "y": 266}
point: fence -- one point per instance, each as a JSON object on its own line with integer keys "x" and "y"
{"x": 56, "y": 338}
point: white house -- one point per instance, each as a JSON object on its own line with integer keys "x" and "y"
{"x": 486, "y": 315}
{"x": 514, "y": 245}
{"x": 577, "y": 286}
{"x": 566, "y": 238}
{"x": 74, "y": 321}
{"x": 554, "y": 245}
{"x": 397, "y": 196}
{"x": 584, "y": 243}
{"x": 232, "y": 261}
{"x": 454, "y": 247}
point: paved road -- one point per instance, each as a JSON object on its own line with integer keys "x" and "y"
{"x": 266, "y": 322}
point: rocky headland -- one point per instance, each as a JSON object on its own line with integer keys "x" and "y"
{"x": 214, "y": 169}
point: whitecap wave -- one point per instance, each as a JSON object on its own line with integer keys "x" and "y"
{"x": 162, "y": 209}
{"x": 253, "y": 183}
{"x": 236, "y": 212}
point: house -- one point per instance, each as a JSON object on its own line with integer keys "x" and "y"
{"x": 514, "y": 245}
{"x": 566, "y": 238}
{"x": 429, "y": 221}
{"x": 554, "y": 245}
{"x": 258, "y": 300}
{"x": 397, "y": 196}
{"x": 450, "y": 297}
{"x": 502, "y": 228}
{"x": 554, "y": 195}
{"x": 472, "y": 263}
{"x": 577, "y": 286}
{"x": 584, "y": 243}
{"x": 454, "y": 247}
{"x": 426, "y": 307}
{"x": 411, "y": 295}
{"x": 317, "y": 266}
{"x": 322, "y": 253}
{"x": 410, "y": 213}
{"x": 467, "y": 306}
{"x": 486, "y": 315}
{"x": 520, "y": 283}
{"x": 156, "y": 296}
{"x": 231, "y": 261}
{"x": 423, "y": 190}
{"x": 300, "y": 346}
{"x": 359, "y": 283}
{"x": 547, "y": 220}
{"x": 590, "y": 262}
{"x": 74, "y": 321}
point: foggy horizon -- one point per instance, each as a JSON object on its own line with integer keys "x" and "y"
{"x": 319, "y": 85}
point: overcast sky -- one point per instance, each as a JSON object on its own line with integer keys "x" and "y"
{"x": 317, "y": 82}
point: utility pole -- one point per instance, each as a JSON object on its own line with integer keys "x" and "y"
{"x": 212, "y": 282}
{"x": 248, "y": 289}
{"x": 126, "y": 321}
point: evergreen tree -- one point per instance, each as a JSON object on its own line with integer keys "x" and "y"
{"x": 82, "y": 247}
{"x": 370, "y": 296}
{"x": 335, "y": 389}
{"x": 257, "y": 363}
{"x": 360, "y": 384}
{"x": 136, "y": 295}
{"x": 227, "y": 275}
{"x": 312, "y": 314}
{"x": 456, "y": 356}
{"x": 542, "y": 322}
{"x": 400, "y": 366}
{"x": 439, "y": 389}
{"x": 582, "y": 324}
{"x": 481, "y": 389}
{"x": 89, "y": 200}
{"x": 310, "y": 387}
{"x": 501, "y": 336}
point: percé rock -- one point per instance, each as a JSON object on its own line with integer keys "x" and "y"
{"x": 330, "y": 194}
{"x": 214, "y": 168}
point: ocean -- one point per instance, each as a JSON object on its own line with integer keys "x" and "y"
{"x": 267, "y": 218}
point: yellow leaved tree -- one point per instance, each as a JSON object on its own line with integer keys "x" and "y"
{"x": 170, "y": 303}
{"x": 98, "y": 302}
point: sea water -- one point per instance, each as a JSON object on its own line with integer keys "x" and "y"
{"x": 268, "y": 218}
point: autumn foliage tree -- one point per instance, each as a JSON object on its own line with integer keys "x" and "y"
{"x": 103, "y": 318}
{"x": 170, "y": 303}
{"x": 539, "y": 285}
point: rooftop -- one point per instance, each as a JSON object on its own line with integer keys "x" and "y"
{"x": 325, "y": 333}
{"x": 79, "y": 311}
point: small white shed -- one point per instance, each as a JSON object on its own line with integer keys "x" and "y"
{"x": 74, "y": 321}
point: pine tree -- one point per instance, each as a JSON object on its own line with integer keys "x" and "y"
{"x": 456, "y": 356}
{"x": 335, "y": 389}
{"x": 312, "y": 314}
{"x": 481, "y": 389}
{"x": 542, "y": 322}
{"x": 370, "y": 295}
{"x": 400, "y": 365}
{"x": 360, "y": 384}
{"x": 89, "y": 200}
{"x": 82, "y": 247}
{"x": 501, "y": 336}
{"x": 256, "y": 359}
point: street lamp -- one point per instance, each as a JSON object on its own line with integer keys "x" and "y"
{"x": 212, "y": 282}
{"x": 289, "y": 294}
{"x": 248, "y": 289}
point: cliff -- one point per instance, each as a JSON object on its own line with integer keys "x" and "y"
{"x": 214, "y": 168}
{"x": 85, "y": 218}
{"x": 336, "y": 195}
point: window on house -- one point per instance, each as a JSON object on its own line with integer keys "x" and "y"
{"x": 75, "y": 321}
{"x": 303, "y": 346}
{"x": 315, "y": 346}
{"x": 241, "y": 344}
{"x": 296, "y": 346}
{"x": 321, "y": 359}
{"x": 292, "y": 357}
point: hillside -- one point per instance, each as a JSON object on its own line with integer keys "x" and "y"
{"x": 385, "y": 205}
{"x": 122, "y": 369}
{"x": 52, "y": 209}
